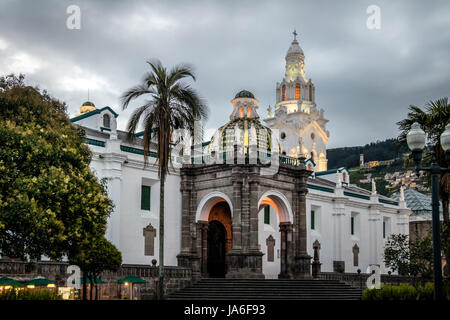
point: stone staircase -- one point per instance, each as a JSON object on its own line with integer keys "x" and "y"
{"x": 262, "y": 289}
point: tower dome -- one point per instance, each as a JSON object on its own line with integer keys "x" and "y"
{"x": 244, "y": 127}
{"x": 244, "y": 94}
{"x": 86, "y": 107}
{"x": 294, "y": 50}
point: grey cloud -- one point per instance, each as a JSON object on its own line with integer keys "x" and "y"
{"x": 364, "y": 79}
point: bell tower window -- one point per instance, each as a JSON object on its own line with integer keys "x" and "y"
{"x": 310, "y": 93}
{"x": 106, "y": 121}
{"x": 283, "y": 92}
{"x": 249, "y": 113}
{"x": 297, "y": 91}
{"x": 241, "y": 112}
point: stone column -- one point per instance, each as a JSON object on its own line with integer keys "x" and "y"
{"x": 253, "y": 215}
{"x": 286, "y": 252}
{"x": 302, "y": 261}
{"x": 235, "y": 255}
{"x": 187, "y": 253}
{"x": 203, "y": 228}
{"x": 185, "y": 217}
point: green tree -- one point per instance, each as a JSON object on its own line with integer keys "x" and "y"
{"x": 412, "y": 258}
{"x": 50, "y": 202}
{"x": 99, "y": 255}
{"x": 396, "y": 254}
{"x": 171, "y": 104}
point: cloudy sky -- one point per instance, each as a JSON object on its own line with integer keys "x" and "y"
{"x": 365, "y": 79}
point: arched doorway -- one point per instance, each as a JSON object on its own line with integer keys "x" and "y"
{"x": 274, "y": 233}
{"x": 219, "y": 239}
{"x": 216, "y": 249}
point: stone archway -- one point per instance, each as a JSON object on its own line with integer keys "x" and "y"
{"x": 280, "y": 204}
{"x": 214, "y": 215}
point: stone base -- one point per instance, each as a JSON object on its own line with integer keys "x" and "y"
{"x": 192, "y": 261}
{"x": 302, "y": 267}
{"x": 316, "y": 269}
{"x": 245, "y": 265}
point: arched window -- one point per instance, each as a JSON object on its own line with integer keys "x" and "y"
{"x": 283, "y": 92}
{"x": 310, "y": 93}
{"x": 249, "y": 113}
{"x": 297, "y": 91}
{"x": 106, "y": 121}
{"x": 309, "y": 167}
{"x": 344, "y": 177}
{"x": 241, "y": 112}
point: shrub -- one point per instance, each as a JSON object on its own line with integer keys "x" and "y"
{"x": 400, "y": 292}
{"x": 426, "y": 292}
{"x": 39, "y": 294}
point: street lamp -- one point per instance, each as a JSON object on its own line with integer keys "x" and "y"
{"x": 416, "y": 142}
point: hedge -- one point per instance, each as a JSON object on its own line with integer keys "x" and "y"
{"x": 400, "y": 292}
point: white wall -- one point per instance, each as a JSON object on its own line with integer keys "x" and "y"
{"x": 271, "y": 270}
{"x": 125, "y": 225}
{"x": 371, "y": 244}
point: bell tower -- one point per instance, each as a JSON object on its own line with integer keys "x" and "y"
{"x": 301, "y": 123}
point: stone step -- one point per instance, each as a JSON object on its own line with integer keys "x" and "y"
{"x": 270, "y": 289}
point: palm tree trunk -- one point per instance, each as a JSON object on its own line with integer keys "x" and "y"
{"x": 161, "y": 238}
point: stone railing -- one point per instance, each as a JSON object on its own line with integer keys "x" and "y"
{"x": 359, "y": 280}
{"x": 175, "y": 278}
{"x": 22, "y": 269}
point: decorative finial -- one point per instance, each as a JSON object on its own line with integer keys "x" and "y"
{"x": 269, "y": 111}
{"x": 339, "y": 180}
{"x": 374, "y": 187}
{"x": 402, "y": 194}
{"x": 295, "y": 34}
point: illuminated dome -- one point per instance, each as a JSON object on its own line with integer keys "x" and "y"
{"x": 294, "y": 50}
{"x": 87, "y": 107}
{"x": 242, "y": 131}
{"x": 243, "y": 128}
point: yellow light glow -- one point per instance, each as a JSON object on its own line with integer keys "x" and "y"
{"x": 51, "y": 285}
{"x": 126, "y": 283}
{"x": 7, "y": 287}
{"x": 30, "y": 286}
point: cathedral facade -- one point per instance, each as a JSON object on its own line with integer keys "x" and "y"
{"x": 228, "y": 213}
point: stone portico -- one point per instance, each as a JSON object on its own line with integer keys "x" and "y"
{"x": 245, "y": 190}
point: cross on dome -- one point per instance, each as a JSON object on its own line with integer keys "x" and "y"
{"x": 295, "y": 34}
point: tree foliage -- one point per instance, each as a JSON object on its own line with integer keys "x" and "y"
{"x": 433, "y": 119}
{"x": 50, "y": 202}
{"x": 95, "y": 257}
{"x": 414, "y": 258}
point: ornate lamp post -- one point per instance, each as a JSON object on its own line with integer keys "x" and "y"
{"x": 416, "y": 142}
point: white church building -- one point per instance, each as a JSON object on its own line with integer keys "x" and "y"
{"x": 205, "y": 225}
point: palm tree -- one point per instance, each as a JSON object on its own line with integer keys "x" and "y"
{"x": 171, "y": 104}
{"x": 433, "y": 120}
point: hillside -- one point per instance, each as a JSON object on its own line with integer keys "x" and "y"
{"x": 388, "y": 178}
{"x": 380, "y": 150}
